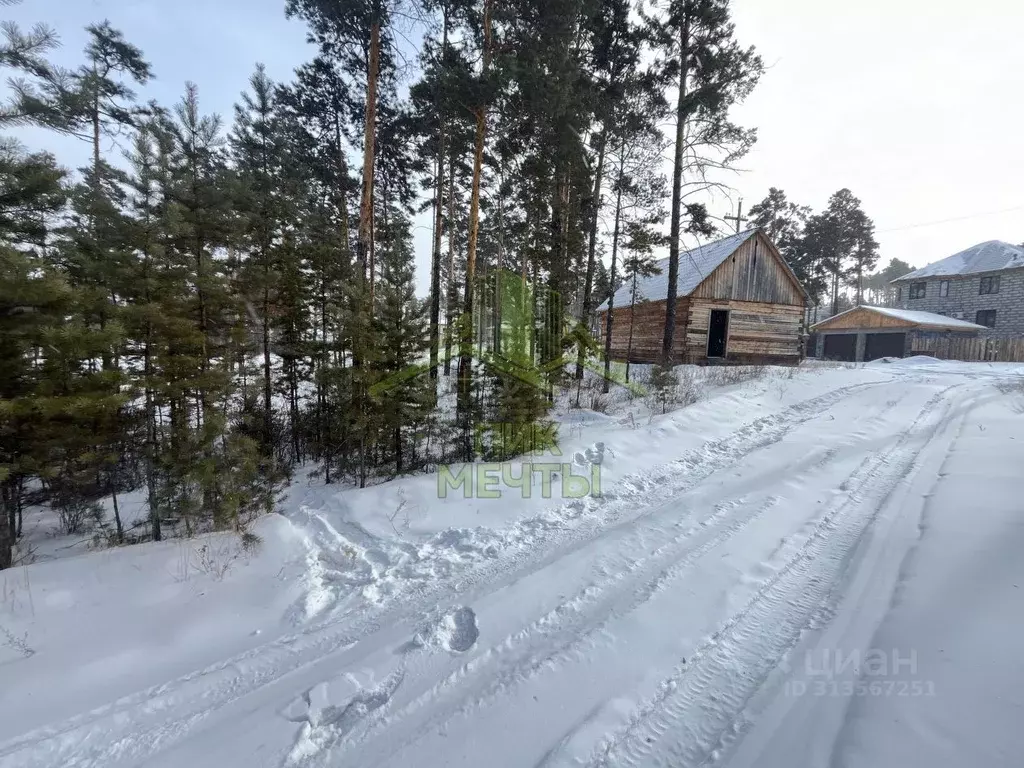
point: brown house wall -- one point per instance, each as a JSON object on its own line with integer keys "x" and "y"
{"x": 766, "y": 308}
{"x": 648, "y": 330}
{"x": 758, "y": 331}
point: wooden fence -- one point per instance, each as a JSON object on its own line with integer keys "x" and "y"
{"x": 970, "y": 349}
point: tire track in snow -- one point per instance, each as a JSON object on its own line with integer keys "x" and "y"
{"x": 566, "y": 628}
{"x": 140, "y": 724}
{"x": 629, "y": 582}
{"x": 695, "y": 711}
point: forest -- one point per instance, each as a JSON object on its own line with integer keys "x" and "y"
{"x": 213, "y": 305}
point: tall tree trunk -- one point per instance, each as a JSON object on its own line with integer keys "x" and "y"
{"x": 324, "y": 422}
{"x": 632, "y": 312}
{"x": 677, "y": 197}
{"x": 435, "y": 254}
{"x": 342, "y": 178}
{"x": 118, "y": 525}
{"x": 369, "y": 132}
{"x": 500, "y": 259}
{"x": 466, "y": 322}
{"x": 151, "y": 416}
{"x": 611, "y": 292}
{"x": 268, "y": 400}
{"x": 588, "y": 280}
{"x": 452, "y": 293}
{"x": 7, "y": 525}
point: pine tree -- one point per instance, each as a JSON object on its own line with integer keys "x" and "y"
{"x": 841, "y": 240}
{"x": 639, "y": 189}
{"x": 104, "y": 106}
{"x": 405, "y": 398}
{"x": 784, "y": 223}
{"x": 152, "y": 315}
{"x": 33, "y": 299}
{"x": 257, "y": 143}
{"x": 316, "y": 107}
{"x": 637, "y": 264}
{"x": 711, "y": 72}
{"x": 618, "y": 79}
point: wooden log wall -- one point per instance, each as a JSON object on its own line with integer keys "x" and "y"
{"x": 765, "y": 303}
{"x": 755, "y": 329}
{"x": 648, "y": 331}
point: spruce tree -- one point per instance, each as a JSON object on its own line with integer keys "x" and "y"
{"x": 258, "y": 152}
{"x": 33, "y": 300}
{"x": 638, "y": 263}
{"x": 405, "y": 397}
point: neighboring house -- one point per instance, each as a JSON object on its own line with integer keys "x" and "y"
{"x": 983, "y": 284}
{"x": 868, "y": 333}
{"x": 737, "y": 301}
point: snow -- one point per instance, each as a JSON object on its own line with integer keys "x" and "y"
{"x": 806, "y": 567}
{"x": 989, "y": 256}
{"x": 915, "y": 316}
{"x": 694, "y": 266}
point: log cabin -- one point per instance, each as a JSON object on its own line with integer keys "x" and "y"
{"x": 737, "y": 301}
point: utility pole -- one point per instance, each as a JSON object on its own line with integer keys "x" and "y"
{"x": 738, "y": 218}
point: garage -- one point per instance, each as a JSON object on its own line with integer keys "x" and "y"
{"x": 884, "y": 345}
{"x": 868, "y": 333}
{"x": 840, "y": 346}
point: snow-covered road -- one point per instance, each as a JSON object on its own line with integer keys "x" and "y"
{"x": 819, "y": 570}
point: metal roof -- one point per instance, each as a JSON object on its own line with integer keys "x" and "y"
{"x": 927, "y": 319}
{"x": 990, "y": 256}
{"x": 694, "y": 266}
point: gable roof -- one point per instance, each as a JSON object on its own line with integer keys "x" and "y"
{"x": 989, "y": 256}
{"x": 911, "y": 316}
{"x": 694, "y": 266}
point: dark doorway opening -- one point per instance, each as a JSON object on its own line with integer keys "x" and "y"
{"x": 884, "y": 345}
{"x": 717, "y": 332}
{"x": 841, "y": 346}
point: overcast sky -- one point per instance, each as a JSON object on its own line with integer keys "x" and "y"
{"x": 916, "y": 105}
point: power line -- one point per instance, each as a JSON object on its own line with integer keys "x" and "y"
{"x": 952, "y": 218}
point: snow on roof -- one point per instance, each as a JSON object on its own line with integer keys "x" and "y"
{"x": 983, "y": 257}
{"x": 694, "y": 266}
{"x": 913, "y": 316}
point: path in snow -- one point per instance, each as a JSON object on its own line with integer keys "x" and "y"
{"x": 650, "y": 627}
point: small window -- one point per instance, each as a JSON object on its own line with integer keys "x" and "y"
{"x": 918, "y": 290}
{"x": 899, "y": 293}
{"x": 944, "y": 288}
{"x": 986, "y": 317}
{"x": 989, "y": 284}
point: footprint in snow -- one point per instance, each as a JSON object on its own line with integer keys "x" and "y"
{"x": 456, "y": 632}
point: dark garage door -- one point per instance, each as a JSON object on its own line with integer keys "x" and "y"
{"x": 841, "y": 346}
{"x": 884, "y": 345}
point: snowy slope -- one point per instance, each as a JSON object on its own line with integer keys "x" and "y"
{"x": 739, "y": 543}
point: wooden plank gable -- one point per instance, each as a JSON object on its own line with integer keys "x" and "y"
{"x": 861, "y": 317}
{"x": 755, "y": 271}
